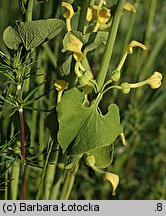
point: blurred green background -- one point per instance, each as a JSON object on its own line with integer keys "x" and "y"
{"x": 141, "y": 164}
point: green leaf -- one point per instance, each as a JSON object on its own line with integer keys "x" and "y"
{"x": 100, "y": 38}
{"x": 103, "y": 155}
{"x": 82, "y": 129}
{"x": 31, "y": 34}
{"x": 11, "y": 38}
{"x": 65, "y": 66}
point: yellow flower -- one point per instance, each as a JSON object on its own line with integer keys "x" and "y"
{"x": 68, "y": 14}
{"x": 75, "y": 46}
{"x": 129, "y": 50}
{"x": 129, "y": 7}
{"x": 114, "y": 179}
{"x": 98, "y": 13}
{"x": 103, "y": 15}
{"x": 155, "y": 80}
{"x": 135, "y": 44}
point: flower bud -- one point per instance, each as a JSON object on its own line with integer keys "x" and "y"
{"x": 115, "y": 76}
{"x": 88, "y": 74}
{"x": 129, "y": 7}
{"x": 83, "y": 80}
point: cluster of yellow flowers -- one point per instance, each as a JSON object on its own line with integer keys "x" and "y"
{"x": 102, "y": 18}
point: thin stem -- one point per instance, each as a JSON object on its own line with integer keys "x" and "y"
{"x": 130, "y": 27}
{"x": 59, "y": 158}
{"x": 92, "y": 2}
{"x": 110, "y": 45}
{"x": 150, "y": 23}
{"x": 96, "y": 27}
{"x": 40, "y": 190}
{"x": 152, "y": 57}
{"x": 111, "y": 87}
{"x": 23, "y": 152}
{"x": 24, "y": 186}
{"x": 100, "y": 3}
{"x": 6, "y": 186}
{"x": 50, "y": 172}
{"x": 22, "y": 133}
{"x": 82, "y": 18}
{"x": 69, "y": 181}
{"x": 50, "y": 54}
{"x": 29, "y": 11}
{"x": 68, "y": 24}
{"x": 137, "y": 85}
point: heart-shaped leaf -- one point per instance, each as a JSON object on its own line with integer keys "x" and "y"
{"x": 31, "y": 34}
{"x": 82, "y": 129}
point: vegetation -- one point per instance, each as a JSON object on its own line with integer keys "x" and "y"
{"x": 82, "y": 99}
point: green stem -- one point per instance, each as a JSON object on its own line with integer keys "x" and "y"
{"x": 6, "y": 186}
{"x": 15, "y": 179}
{"x": 22, "y": 140}
{"x": 39, "y": 194}
{"x": 130, "y": 28}
{"x": 154, "y": 54}
{"x": 150, "y": 23}
{"x": 82, "y": 18}
{"x": 50, "y": 173}
{"x": 59, "y": 158}
{"x": 69, "y": 181}
{"x": 92, "y": 2}
{"x": 100, "y": 3}
{"x": 110, "y": 45}
{"x": 112, "y": 87}
{"x": 23, "y": 153}
{"x": 29, "y": 11}
{"x": 50, "y": 54}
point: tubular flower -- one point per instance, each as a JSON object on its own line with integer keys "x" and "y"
{"x": 129, "y": 7}
{"x": 113, "y": 178}
{"x": 75, "y": 46}
{"x": 135, "y": 44}
{"x": 129, "y": 50}
{"x": 60, "y": 86}
{"x": 154, "y": 81}
{"x": 68, "y": 14}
